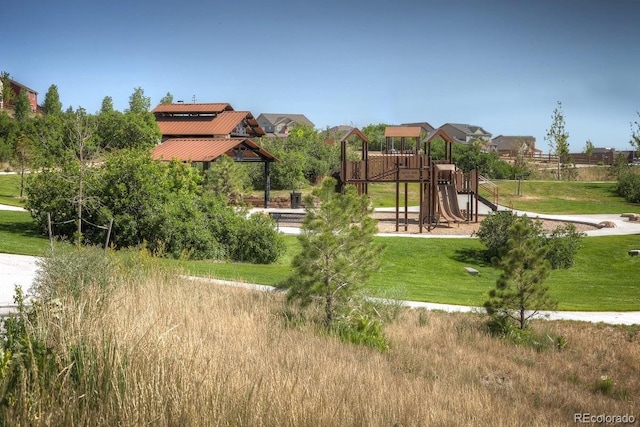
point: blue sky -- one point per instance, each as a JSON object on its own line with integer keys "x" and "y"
{"x": 502, "y": 65}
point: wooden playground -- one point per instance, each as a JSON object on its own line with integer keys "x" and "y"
{"x": 447, "y": 195}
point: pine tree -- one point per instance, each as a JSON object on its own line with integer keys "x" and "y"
{"x": 520, "y": 291}
{"x": 22, "y": 109}
{"x": 52, "y": 104}
{"x": 338, "y": 251}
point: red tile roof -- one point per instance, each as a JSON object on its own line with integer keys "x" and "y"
{"x": 208, "y": 149}
{"x": 224, "y": 124}
{"x": 215, "y": 108}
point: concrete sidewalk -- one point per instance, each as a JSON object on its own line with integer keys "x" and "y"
{"x": 20, "y": 270}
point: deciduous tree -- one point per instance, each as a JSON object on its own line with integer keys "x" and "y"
{"x": 635, "y": 135}
{"x": 588, "y": 149}
{"x": 557, "y": 137}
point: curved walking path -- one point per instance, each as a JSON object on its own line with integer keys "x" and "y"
{"x": 20, "y": 270}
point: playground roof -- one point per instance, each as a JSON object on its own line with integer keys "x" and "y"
{"x": 402, "y": 131}
{"x": 439, "y": 133}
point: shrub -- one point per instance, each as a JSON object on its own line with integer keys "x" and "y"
{"x": 362, "y": 326}
{"x": 629, "y": 187}
{"x": 256, "y": 240}
{"x": 494, "y": 231}
{"x": 563, "y": 244}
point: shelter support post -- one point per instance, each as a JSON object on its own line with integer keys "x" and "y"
{"x": 267, "y": 183}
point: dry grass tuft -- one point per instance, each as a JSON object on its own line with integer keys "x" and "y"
{"x": 166, "y": 351}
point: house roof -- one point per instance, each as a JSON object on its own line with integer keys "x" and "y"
{"x": 277, "y": 118}
{"x": 209, "y": 149}
{"x": 222, "y": 124}
{"x": 181, "y": 108}
{"x": 510, "y": 143}
{"x": 22, "y": 86}
{"x": 468, "y": 129}
{"x": 344, "y": 132}
{"x": 402, "y": 131}
{"x": 426, "y": 126}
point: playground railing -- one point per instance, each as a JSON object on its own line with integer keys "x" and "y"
{"x": 489, "y": 188}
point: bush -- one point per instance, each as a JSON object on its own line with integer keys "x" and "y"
{"x": 494, "y": 231}
{"x": 562, "y": 244}
{"x": 629, "y": 186}
{"x": 256, "y": 241}
{"x": 361, "y": 326}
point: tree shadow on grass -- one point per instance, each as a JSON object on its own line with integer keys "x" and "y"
{"x": 473, "y": 256}
{"x": 19, "y": 228}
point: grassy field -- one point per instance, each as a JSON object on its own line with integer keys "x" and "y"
{"x": 564, "y": 197}
{"x": 604, "y": 278}
{"x": 432, "y": 270}
{"x": 10, "y": 190}
{"x": 550, "y": 197}
{"x": 158, "y": 350}
{"x": 17, "y": 235}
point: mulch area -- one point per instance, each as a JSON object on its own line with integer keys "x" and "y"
{"x": 387, "y": 224}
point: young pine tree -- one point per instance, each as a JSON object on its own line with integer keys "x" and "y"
{"x": 338, "y": 251}
{"x": 520, "y": 291}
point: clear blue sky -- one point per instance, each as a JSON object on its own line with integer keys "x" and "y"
{"x": 501, "y": 65}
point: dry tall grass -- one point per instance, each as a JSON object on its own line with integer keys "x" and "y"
{"x": 165, "y": 351}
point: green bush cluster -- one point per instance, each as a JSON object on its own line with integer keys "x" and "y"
{"x": 562, "y": 243}
{"x": 629, "y": 186}
{"x": 162, "y": 205}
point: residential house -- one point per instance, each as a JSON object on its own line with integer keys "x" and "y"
{"x": 338, "y": 134}
{"x": 16, "y": 88}
{"x": 278, "y": 125}
{"x": 512, "y": 146}
{"x": 467, "y": 134}
{"x": 426, "y": 127}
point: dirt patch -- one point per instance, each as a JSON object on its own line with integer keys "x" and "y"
{"x": 387, "y": 224}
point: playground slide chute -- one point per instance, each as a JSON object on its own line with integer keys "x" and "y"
{"x": 448, "y": 204}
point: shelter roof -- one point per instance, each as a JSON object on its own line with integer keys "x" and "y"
{"x": 402, "y": 131}
{"x": 209, "y": 149}
{"x": 181, "y": 108}
{"x": 224, "y": 123}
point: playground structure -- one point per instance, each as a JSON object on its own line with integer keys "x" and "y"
{"x": 405, "y": 159}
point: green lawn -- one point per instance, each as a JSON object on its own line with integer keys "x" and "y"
{"x": 550, "y": 197}
{"x": 564, "y": 197}
{"x": 17, "y": 235}
{"x": 10, "y": 190}
{"x": 605, "y": 276}
{"x": 432, "y": 270}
